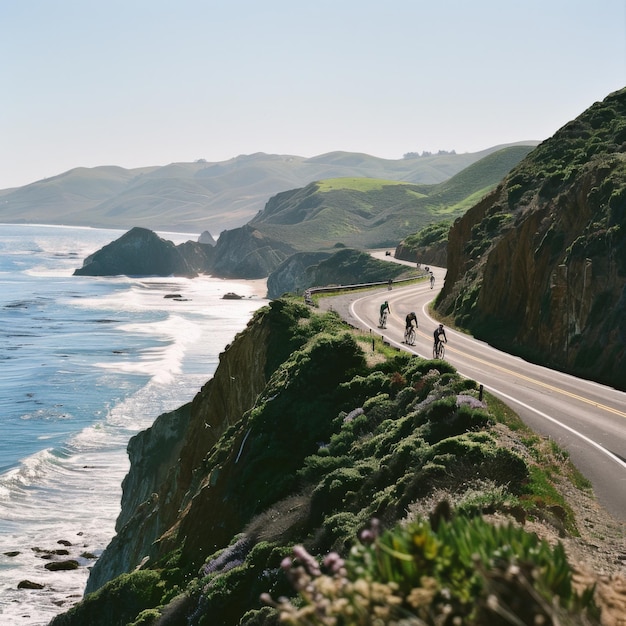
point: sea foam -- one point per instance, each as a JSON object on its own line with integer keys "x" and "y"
{"x": 86, "y": 364}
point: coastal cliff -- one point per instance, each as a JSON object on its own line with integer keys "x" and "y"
{"x": 345, "y": 266}
{"x": 166, "y": 458}
{"x": 538, "y": 267}
{"x": 306, "y": 433}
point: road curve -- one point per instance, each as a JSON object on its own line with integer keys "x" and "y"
{"x": 585, "y": 418}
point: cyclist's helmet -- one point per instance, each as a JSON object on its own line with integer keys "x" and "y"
{"x": 440, "y": 325}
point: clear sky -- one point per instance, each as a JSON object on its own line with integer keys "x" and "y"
{"x": 150, "y": 82}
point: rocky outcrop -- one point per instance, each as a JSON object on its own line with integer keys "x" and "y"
{"x": 436, "y": 254}
{"x": 428, "y": 246}
{"x": 247, "y": 253}
{"x": 152, "y": 453}
{"x": 343, "y": 267}
{"x": 207, "y": 238}
{"x": 538, "y": 267}
{"x": 141, "y": 252}
{"x": 293, "y": 274}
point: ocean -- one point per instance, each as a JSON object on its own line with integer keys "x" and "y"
{"x": 85, "y": 363}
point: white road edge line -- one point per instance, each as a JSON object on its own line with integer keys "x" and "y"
{"x": 586, "y": 439}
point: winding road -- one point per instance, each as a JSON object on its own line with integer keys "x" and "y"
{"x": 585, "y": 418}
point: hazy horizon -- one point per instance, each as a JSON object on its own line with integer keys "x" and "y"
{"x": 149, "y": 83}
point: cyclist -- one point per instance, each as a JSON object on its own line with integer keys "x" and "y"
{"x": 432, "y": 280}
{"x": 438, "y": 334}
{"x": 410, "y": 318}
{"x": 410, "y": 322}
{"x": 384, "y": 311}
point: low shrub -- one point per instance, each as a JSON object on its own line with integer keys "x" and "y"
{"x": 464, "y": 572}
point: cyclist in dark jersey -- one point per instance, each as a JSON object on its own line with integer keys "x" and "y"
{"x": 410, "y": 318}
{"x": 438, "y": 334}
{"x": 385, "y": 310}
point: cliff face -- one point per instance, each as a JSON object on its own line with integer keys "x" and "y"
{"x": 436, "y": 254}
{"x": 165, "y": 458}
{"x": 292, "y": 275}
{"x": 539, "y": 265}
{"x": 247, "y": 253}
{"x": 429, "y": 246}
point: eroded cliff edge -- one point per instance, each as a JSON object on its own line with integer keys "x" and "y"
{"x": 166, "y": 459}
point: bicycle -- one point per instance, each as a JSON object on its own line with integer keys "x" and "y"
{"x": 382, "y": 322}
{"x": 409, "y": 336}
{"x": 439, "y": 350}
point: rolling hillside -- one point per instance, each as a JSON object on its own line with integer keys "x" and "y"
{"x": 370, "y": 212}
{"x": 193, "y": 197}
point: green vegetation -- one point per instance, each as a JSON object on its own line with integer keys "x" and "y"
{"x": 372, "y": 212}
{"x": 433, "y": 235}
{"x": 356, "y": 184}
{"x": 119, "y": 602}
{"x": 455, "y": 571}
{"x": 348, "y": 431}
{"x": 559, "y": 215}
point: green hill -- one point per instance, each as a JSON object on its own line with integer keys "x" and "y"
{"x": 193, "y": 197}
{"x": 371, "y": 212}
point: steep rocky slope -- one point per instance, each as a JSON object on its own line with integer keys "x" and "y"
{"x": 538, "y": 267}
{"x": 306, "y": 432}
{"x": 319, "y": 269}
{"x": 429, "y": 246}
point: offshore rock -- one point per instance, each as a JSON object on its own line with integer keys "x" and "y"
{"x": 207, "y": 238}
{"x": 29, "y": 584}
{"x": 141, "y": 252}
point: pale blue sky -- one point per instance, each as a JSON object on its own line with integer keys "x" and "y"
{"x": 150, "y": 82}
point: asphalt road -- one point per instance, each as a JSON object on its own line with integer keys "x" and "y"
{"x": 585, "y": 418}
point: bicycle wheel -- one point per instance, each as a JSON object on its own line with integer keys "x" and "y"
{"x": 410, "y": 339}
{"x": 442, "y": 350}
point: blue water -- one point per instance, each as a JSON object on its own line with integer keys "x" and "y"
{"x": 85, "y": 363}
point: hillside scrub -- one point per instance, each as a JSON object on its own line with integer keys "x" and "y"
{"x": 428, "y": 246}
{"x": 335, "y": 440}
{"x": 371, "y": 212}
{"x": 538, "y": 267}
